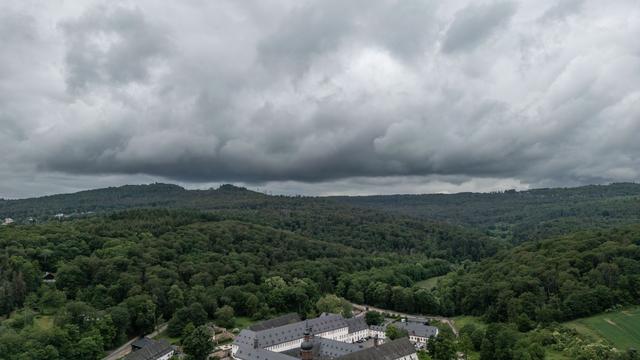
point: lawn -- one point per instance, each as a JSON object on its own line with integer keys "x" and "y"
{"x": 620, "y": 328}
{"x": 44, "y": 322}
{"x": 243, "y": 322}
{"x": 460, "y": 321}
{"x": 429, "y": 283}
{"x": 171, "y": 340}
{"x": 555, "y": 355}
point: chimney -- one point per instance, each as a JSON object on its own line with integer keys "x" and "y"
{"x": 255, "y": 342}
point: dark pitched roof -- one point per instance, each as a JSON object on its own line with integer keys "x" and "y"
{"x": 356, "y": 324}
{"x": 249, "y": 353}
{"x": 281, "y": 334}
{"x": 378, "y": 328}
{"x": 327, "y": 349}
{"x": 417, "y": 328}
{"x": 141, "y": 343}
{"x": 245, "y": 338}
{"x": 332, "y": 348}
{"x": 388, "y": 351}
{"x": 276, "y": 322}
{"x": 151, "y": 351}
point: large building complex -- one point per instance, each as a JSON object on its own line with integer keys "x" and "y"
{"x": 326, "y": 337}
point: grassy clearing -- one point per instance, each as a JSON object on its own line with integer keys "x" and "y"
{"x": 171, "y": 340}
{"x": 243, "y": 322}
{"x": 460, "y": 321}
{"x": 44, "y": 322}
{"x": 429, "y": 283}
{"x": 620, "y": 328}
{"x": 555, "y": 355}
{"x": 473, "y": 355}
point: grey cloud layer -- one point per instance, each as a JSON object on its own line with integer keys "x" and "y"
{"x": 305, "y": 91}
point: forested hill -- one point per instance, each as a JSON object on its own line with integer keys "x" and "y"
{"x": 520, "y": 215}
{"x": 320, "y": 218}
{"x": 514, "y": 216}
{"x": 131, "y": 196}
{"x": 571, "y": 276}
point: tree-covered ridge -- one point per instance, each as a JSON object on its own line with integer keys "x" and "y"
{"x": 127, "y": 197}
{"x": 552, "y": 280}
{"x": 318, "y": 218}
{"x": 372, "y": 230}
{"x": 119, "y": 275}
{"x": 520, "y": 215}
{"x": 512, "y": 215}
{"x": 515, "y": 216}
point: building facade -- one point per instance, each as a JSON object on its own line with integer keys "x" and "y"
{"x": 149, "y": 349}
{"x": 419, "y": 332}
{"x": 333, "y": 337}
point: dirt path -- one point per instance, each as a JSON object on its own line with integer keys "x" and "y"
{"x": 125, "y": 349}
{"x": 443, "y": 319}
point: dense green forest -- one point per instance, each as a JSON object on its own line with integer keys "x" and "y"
{"x": 132, "y": 196}
{"x": 557, "y": 279}
{"x": 520, "y": 215}
{"x": 515, "y": 216}
{"x": 315, "y": 217}
{"x": 133, "y": 257}
{"x": 121, "y": 274}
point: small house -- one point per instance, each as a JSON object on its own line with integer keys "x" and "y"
{"x": 149, "y": 349}
{"x": 49, "y": 278}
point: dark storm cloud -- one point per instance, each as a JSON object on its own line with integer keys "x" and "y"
{"x": 316, "y": 29}
{"x": 111, "y": 45}
{"x": 563, "y": 9}
{"x": 475, "y": 23}
{"x": 319, "y": 97}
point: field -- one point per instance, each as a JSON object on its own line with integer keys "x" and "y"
{"x": 460, "y": 321}
{"x": 620, "y": 328}
{"x": 243, "y": 322}
{"x": 171, "y": 340}
{"x": 555, "y": 355}
{"x": 429, "y": 283}
{"x": 43, "y": 322}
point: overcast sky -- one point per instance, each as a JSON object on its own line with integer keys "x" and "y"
{"x": 318, "y": 97}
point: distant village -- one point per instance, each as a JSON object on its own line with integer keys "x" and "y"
{"x": 33, "y": 220}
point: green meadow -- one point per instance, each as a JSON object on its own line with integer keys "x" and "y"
{"x": 621, "y": 328}
{"x": 429, "y": 283}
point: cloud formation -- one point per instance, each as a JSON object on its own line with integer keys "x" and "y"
{"x": 414, "y": 95}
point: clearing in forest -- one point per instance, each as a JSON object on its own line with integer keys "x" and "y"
{"x": 620, "y": 328}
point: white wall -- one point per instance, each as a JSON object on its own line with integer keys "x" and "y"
{"x": 167, "y": 357}
{"x": 341, "y": 334}
{"x": 413, "y": 356}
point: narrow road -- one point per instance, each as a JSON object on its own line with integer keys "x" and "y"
{"x": 125, "y": 349}
{"x": 443, "y": 319}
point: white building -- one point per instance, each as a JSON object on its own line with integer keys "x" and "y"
{"x": 419, "y": 332}
{"x": 7, "y": 221}
{"x": 333, "y": 337}
{"x": 290, "y": 336}
{"x": 149, "y": 349}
